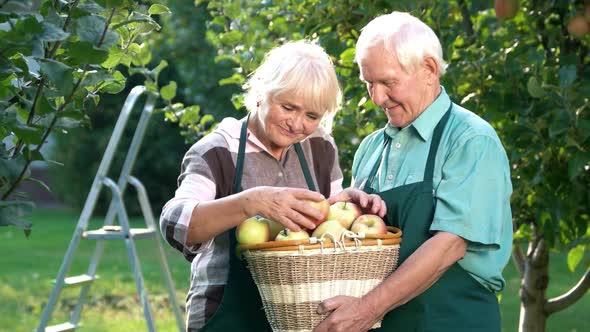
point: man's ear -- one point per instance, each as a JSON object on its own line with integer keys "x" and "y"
{"x": 430, "y": 70}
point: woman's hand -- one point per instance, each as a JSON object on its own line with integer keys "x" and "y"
{"x": 371, "y": 204}
{"x": 287, "y": 206}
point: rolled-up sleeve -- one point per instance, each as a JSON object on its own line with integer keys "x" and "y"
{"x": 195, "y": 185}
{"x": 474, "y": 189}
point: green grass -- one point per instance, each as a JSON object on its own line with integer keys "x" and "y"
{"x": 28, "y": 265}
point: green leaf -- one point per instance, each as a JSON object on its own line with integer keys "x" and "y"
{"x": 168, "y": 92}
{"x": 43, "y": 107}
{"x": 236, "y": 78}
{"x": 577, "y": 163}
{"x": 11, "y": 168}
{"x": 535, "y": 89}
{"x": 567, "y": 75}
{"x": 85, "y": 53}
{"x": 115, "y": 85}
{"x": 29, "y": 135}
{"x": 11, "y": 213}
{"x": 232, "y": 38}
{"x": 141, "y": 54}
{"x": 90, "y": 29}
{"x": 40, "y": 183}
{"x": 58, "y": 74}
{"x": 158, "y": 9}
{"x": 52, "y": 33}
{"x": 163, "y": 64}
{"x": 574, "y": 257}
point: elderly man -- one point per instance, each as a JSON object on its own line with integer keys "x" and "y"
{"x": 445, "y": 179}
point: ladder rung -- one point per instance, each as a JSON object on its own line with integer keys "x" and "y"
{"x": 113, "y": 233}
{"x": 61, "y": 327}
{"x": 78, "y": 280}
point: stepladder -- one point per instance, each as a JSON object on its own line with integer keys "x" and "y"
{"x": 115, "y": 227}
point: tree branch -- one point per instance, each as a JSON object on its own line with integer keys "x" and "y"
{"x": 106, "y": 28}
{"x": 518, "y": 259}
{"x": 466, "y": 18}
{"x": 563, "y": 301}
{"x": 64, "y": 28}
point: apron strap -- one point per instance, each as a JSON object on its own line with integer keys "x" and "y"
{"x": 438, "y": 130}
{"x": 303, "y": 163}
{"x": 240, "y": 161}
{"x": 369, "y": 180}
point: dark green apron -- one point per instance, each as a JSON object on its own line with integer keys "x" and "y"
{"x": 456, "y": 302}
{"x": 241, "y": 306}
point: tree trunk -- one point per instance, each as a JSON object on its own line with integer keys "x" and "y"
{"x": 533, "y": 288}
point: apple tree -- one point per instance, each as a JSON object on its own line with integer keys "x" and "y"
{"x": 56, "y": 59}
{"x": 524, "y": 67}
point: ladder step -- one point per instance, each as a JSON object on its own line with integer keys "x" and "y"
{"x": 79, "y": 280}
{"x": 61, "y": 327}
{"x": 115, "y": 233}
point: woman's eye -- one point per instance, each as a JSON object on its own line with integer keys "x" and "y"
{"x": 287, "y": 107}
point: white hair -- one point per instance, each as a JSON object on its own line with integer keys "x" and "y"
{"x": 301, "y": 69}
{"x": 404, "y": 36}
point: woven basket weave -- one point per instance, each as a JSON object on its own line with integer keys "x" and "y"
{"x": 294, "y": 277}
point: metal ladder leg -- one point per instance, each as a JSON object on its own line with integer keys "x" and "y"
{"x": 122, "y": 184}
{"x": 149, "y": 218}
{"x": 132, "y": 252}
{"x": 87, "y": 213}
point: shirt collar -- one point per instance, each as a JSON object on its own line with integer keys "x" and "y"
{"x": 427, "y": 121}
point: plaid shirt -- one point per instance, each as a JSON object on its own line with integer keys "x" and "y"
{"x": 207, "y": 173}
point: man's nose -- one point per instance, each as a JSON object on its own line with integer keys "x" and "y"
{"x": 378, "y": 94}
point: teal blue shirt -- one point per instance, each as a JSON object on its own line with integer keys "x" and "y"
{"x": 472, "y": 184}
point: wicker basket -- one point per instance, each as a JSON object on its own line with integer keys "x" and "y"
{"x": 294, "y": 277}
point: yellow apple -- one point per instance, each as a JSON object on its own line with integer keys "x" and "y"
{"x": 323, "y": 206}
{"x": 344, "y": 212}
{"x": 329, "y": 226}
{"x": 287, "y": 234}
{"x": 369, "y": 224}
{"x": 252, "y": 231}
{"x": 274, "y": 226}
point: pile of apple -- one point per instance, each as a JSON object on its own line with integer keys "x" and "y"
{"x": 336, "y": 219}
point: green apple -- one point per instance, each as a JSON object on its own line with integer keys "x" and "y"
{"x": 369, "y": 224}
{"x": 287, "y": 234}
{"x": 252, "y": 231}
{"x": 334, "y": 227}
{"x": 344, "y": 212}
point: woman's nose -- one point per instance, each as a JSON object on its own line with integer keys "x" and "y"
{"x": 295, "y": 123}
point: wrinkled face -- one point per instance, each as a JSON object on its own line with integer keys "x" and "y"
{"x": 286, "y": 121}
{"x": 403, "y": 96}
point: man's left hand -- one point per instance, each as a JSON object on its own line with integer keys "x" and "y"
{"x": 349, "y": 314}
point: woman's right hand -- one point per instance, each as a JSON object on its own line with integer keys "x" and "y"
{"x": 287, "y": 206}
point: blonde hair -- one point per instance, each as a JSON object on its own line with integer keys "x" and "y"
{"x": 404, "y": 36}
{"x": 299, "y": 68}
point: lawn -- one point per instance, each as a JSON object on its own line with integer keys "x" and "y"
{"x": 29, "y": 265}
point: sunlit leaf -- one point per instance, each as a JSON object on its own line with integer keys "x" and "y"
{"x": 574, "y": 257}
{"x": 158, "y": 9}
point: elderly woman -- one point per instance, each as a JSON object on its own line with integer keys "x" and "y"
{"x": 265, "y": 164}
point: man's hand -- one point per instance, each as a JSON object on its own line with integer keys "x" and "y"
{"x": 372, "y": 204}
{"x": 349, "y": 314}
